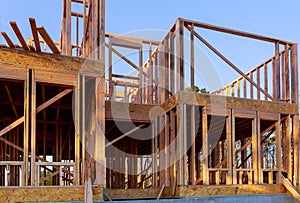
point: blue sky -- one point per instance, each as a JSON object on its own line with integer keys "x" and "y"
{"x": 279, "y": 19}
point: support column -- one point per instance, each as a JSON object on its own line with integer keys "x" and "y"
{"x": 234, "y": 173}
{"x": 100, "y": 131}
{"x": 259, "y": 151}
{"x": 229, "y": 178}
{"x": 179, "y": 56}
{"x": 33, "y": 128}
{"x": 26, "y": 128}
{"x": 205, "y": 147}
{"x": 255, "y": 147}
{"x": 77, "y": 132}
{"x": 278, "y": 151}
{"x": 296, "y": 177}
{"x": 193, "y": 147}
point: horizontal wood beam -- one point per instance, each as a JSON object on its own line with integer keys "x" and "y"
{"x": 132, "y": 39}
{"x": 52, "y": 63}
{"x": 234, "y": 32}
{"x": 239, "y": 103}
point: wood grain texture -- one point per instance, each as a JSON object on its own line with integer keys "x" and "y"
{"x": 46, "y": 194}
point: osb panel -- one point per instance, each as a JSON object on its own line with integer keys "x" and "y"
{"x": 46, "y": 194}
{"x": 229, "y": 190}
{"x": 47, "y": 61}
{"x": 137, "y": 193}
{"x": 236, "y": 103}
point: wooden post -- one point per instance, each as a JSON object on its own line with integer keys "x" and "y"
{"x": 192, "y": 71}
{"x": 296, "y": 176}
{"x": 77, "y": 132}
{"x": 278, "y": 150}
{"x": 66, "y": 35}
{"x": 245, "y": 88}
{"x": 287, "y": 73}
{"x": 193, "y": 146}
{"x": 181, "y": 144}
{"x": 254, "y": 150}
{"x": 251, "y": 86}
{"x": 288, "y": 140}
{"x": 259, "y": 151}
{"x": 172, "y": 148}
{"x": 234, "y": 172}
{"x": 100, "y": 131}
{"x": 110, "y": 70}
{"x": 33, "y": 176}
{"x": 166, "y": 67}
{"x": 274, "y": 78}
{"x": 162, "y": 158}
{"x": 167, "y": 149}
{"x": 154, "y": 153}
{"x": 258, "y": 82}
{"x": 27, "y": 106}
{"x": 161, "y": 73}
{"x": 294, "y": 74}
{"x": 277, "y": 73}
{"x": 172, "y": 63}
{"x": 282, "y": 76}
{"x": 150, "y": 79}
{"x": 179, "y": 56}
{"x": 230, "y": 143}
{"x": 266, "y": 79}
{"x": 205, "y": 147}
{"x": 101, "y": 30}
{"x": 83, "y": 128}
{"x": 140, "y": 91}
{"x": 239, "y": 88}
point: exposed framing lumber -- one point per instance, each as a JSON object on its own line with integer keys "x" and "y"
{"x": 255, "y": 148}
{"x": 229, "y": 63}
{"x": 288, "y": 149}
{"x": 289, "y": 186}
{"x": 35, "y": 34}
{"x": 276, "y": 73}
{"x": 19, "y": 35}
{"x": 132, "y": 39}
{"x": 100, "y": 132}
{"x": 229, "y": 177}
{"x": 179, "y": 55}
{"x": 205, "y": 147}
{"x": 33, "y": 112}
{"x": 234, "y": 172}
{"x": 234, "y": 32}
{"x": 259, "y": 149}
{"x": 296, "y": 162}
{"x": 48, "y": 40}
{"x": 193, "y": 146}
{"x": 125, "y": 135}
{"x": 294, "y": 74}
{"x": 7, "y": 89}
{"x": 8, "y": 40}
{"x": 38, "y": 109}
{"x": 278, "y": 151}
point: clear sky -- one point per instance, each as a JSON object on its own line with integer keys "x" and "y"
{"x": 278, "y": 19}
